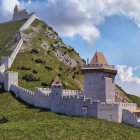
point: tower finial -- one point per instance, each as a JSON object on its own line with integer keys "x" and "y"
{"x": 16, "y": 9}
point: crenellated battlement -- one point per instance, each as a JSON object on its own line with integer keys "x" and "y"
{"x": 43, "y": 91}
{"x": 24, "y": 89}
{"x": 11, "y": 72}
{"x": 105, "y": 105}
{"x": 72, "y": 92}
{"x": 99, "y": 66}
{"x": 70, "y": 97}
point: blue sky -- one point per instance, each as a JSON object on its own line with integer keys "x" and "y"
{"x": 112, "y": 27}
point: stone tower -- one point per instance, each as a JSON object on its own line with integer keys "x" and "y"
{"x": 99, "y": 79}
{"x": 16, "y": 9}
{"x": 19, "y": 14}
{"x": 9, "y": 79}
{"x": 57, "y": 87}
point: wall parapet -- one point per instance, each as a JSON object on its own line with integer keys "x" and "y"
{"x": 43, "y": 91}
{"x": 21, "y": 89}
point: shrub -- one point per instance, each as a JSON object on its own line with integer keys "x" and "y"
{"x": 44, "y": 84}
{"x": 48, "y": 52}
{"x": 39, "y": 61}
{"x": 74, "y": 68}
{"x": 35, "y": 71}
{"x": 56, "y": 33}
{"x": 84, "y": 60}
{"x": 3, "y": 120}
{"x": 56, "y": 42}
{"x": 65, "y": 52}
{"x": 39, "y": 38}
{"x": 35, "y": 51}
{"x": 48, "y": 68}
{"x": 59, "y": 75}
{"x": 60, "y": 68}
{"x": 50, "y": 28}
{"x": 72, "y": 50}
{"x": 73, "y": 76}
{"x": 24, "y": 68}
{"x": 29, "y": 78}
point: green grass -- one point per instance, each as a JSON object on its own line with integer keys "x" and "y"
{"x": 26, "y": 123}
{"x": 26, "y": 58}
{"x": 7, "y": 32}
{"x": 134, "y": 98}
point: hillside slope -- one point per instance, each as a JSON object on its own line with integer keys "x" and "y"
{"x": 26, "y": 122}
{"x": 44, "y": 56}
{"x": 8, "y": 33}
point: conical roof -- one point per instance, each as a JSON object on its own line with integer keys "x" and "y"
{"x": 99, "y": 58}
{"x": 57, "y": 82}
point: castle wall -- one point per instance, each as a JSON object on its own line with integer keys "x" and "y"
{"x": 6, "y": 61}
{"x": 92, "y": 83}
{"x": 42, "y": 100}
{"x": 125, "y": 106}
{"x": 113, "y": 111}
{"x": 108, "y": 111}
{"x": 99, "y": 86}
{"x": 1, "y": 77}
{"x": 15, "y": 52}
{"x": 24, "y": 94}
{"x": 66, "y": 105}
{"x": 9, "y": 79}
{"x": 130, "y": 118}
{"x": 2, "y": 68}
{"x": 109, "y": 89}
{"x": 28, "y": 22}
{"x": 19, "y": 15}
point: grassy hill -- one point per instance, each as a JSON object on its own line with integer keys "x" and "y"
{"x": 38, "y": 65}
{"x": 26, "y": 122}
{"x": 8, "y": 32}
{"x": 37, "y": 62}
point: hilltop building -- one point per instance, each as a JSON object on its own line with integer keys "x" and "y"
{"x": 20, "y": 14}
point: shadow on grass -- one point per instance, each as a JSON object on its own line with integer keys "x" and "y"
{"x": 33, "y": 107}
{"x": 2, "y": 88}
{"x": 29, "y": 105}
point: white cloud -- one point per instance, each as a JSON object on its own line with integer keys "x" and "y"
{"x": 6, "y": 9}
{"x": 126, "y": 74}
{"x": 8, "y": 5}
{"x": 128, "y": 80}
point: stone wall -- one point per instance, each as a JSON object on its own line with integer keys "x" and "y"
{"x": 2, "y": 68}
{"x": 9, "y": 79}
{"x": 29, "y": 22}
{"x": 15, "y": 52}
{"x": 129, "y": 118}
{"x": 24, "y": 94}
{"x": 19, "y": 15}
{"x": 125, "y": 106}
{"x": 113, "y": 111}
{"x": 1, "y": 77}
{"x": 97, "y": 86}
{"x": 42, "y": 98}
{"x": 6, "y": 62}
